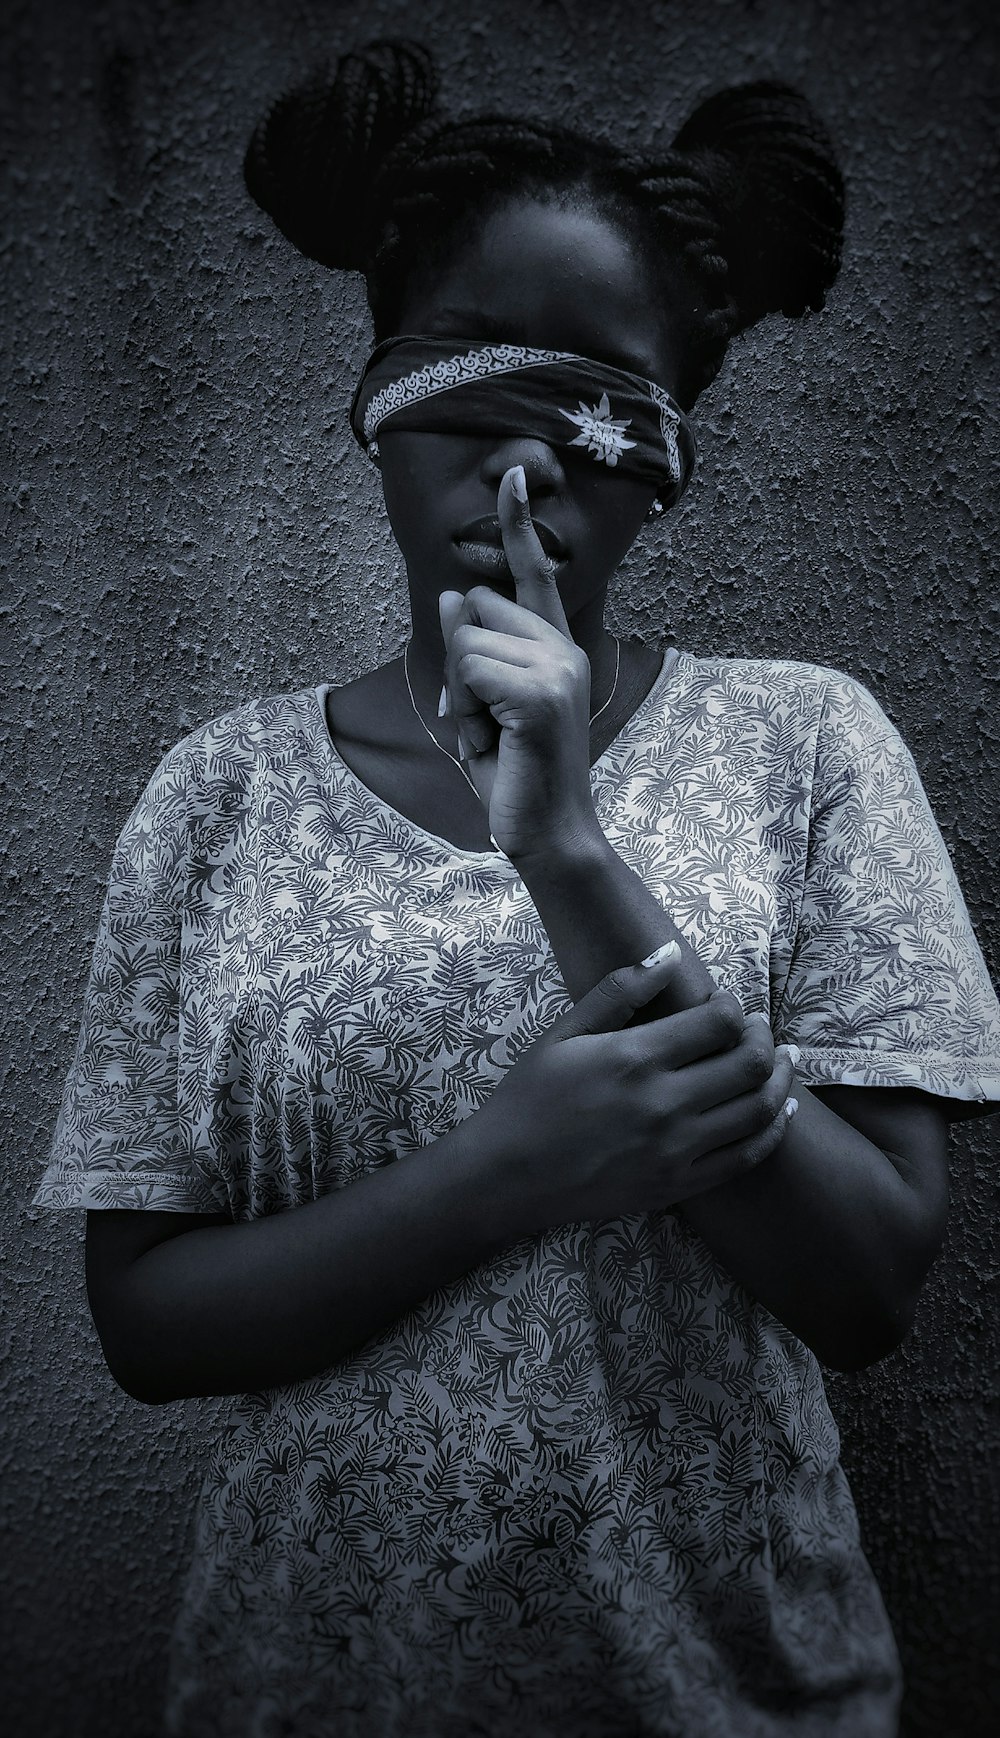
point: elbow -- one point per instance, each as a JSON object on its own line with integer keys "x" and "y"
{"x": 134, "y": 1373}
{"x": 146, "y": 1380}
{"x": 850, "y": 1356}
{"x": 867, "y": 1340}
{"x": 145, "y": 1397}
{"x": 138, "y": 1384}
{"x": 877, "y": 1327}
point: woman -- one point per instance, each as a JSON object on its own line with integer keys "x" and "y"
{"x": 531, "y": 1435}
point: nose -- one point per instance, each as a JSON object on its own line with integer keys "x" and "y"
{"x": 543, "y": 471}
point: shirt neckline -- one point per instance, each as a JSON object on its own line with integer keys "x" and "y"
{"x": 318, "y": 695}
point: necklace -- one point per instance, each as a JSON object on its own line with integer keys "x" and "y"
{"x": 451, "y": 757}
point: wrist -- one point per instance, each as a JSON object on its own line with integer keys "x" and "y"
{"x": 577, "y": 847}
{"x": 490, "y": 1153}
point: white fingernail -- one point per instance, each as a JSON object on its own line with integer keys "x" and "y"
{"x": 518, "y": 483}
{"x": 791, "y": 1106}
{"x": 666, "y": 952}
{"x": 443, "y": 702}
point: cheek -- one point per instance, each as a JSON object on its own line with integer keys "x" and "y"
{"x": 407, "y": 486}
{"x": 620, "y": 514}
{"x": 420, "y": 473}
{"x": 611, "y": 503}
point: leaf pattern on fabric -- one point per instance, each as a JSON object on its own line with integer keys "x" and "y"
{"x": 591, "y": 1488}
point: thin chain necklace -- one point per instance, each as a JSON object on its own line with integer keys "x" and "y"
{"x": 458, "y": 763}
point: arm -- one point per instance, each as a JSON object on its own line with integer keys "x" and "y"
{"x": 835, "y": 1232}
{"x": 192, "y": 1304}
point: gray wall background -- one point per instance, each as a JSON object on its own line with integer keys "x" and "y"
{"x": 187, "y": 522}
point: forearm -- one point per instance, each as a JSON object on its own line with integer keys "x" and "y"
{"x": 227, "y": 1309}
{"x": 825, "y": 1233}
{"x": 598, "y": 914}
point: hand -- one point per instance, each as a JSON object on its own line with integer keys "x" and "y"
{"x": 516, "y": 666}
{"x": 596, "y": 1122}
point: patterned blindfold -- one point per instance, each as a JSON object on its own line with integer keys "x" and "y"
{"x": 459, "y": 386}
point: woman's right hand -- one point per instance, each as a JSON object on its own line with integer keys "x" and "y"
{"x": 599, "y": 1121}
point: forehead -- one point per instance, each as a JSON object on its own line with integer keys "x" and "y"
{"x": 538, "y": 273}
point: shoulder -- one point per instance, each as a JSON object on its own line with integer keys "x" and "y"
{"x": 272, "y": 728}
{"x": 841, "y": 713}
{"x": 210, "y": 772}
{"x": 784, "y": 678}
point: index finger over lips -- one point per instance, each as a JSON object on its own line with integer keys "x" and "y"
{"x": 534, "y": 571}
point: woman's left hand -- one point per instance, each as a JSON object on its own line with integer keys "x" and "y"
{"x": 519, "y": 691}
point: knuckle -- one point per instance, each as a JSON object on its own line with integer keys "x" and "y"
{"x": 750, "y": 1153}
{"x": 762, "y": 1114}
{"x": 554, "y": 698}
{"x": 727, "y": 1014}
{"x": 616, "y": 983}
{"x": 757, "y": 1065}
{"x": 775, "y": 1093}
{"x": 677, "y": 1094}
{"x": 632, "y": 1064}
{"x": 477, "y": 597}
{"x": 614, "y": 989}
{"x": 683, "y": 1143}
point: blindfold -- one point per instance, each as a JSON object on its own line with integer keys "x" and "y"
{"x": 459, "y": 386}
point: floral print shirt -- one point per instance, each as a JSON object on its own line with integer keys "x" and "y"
{"x": 591, "y": 1489}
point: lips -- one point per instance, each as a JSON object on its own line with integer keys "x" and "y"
{"x": 487, "y": 530}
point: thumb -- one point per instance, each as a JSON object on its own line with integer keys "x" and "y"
{"x": 611, "y": 1003}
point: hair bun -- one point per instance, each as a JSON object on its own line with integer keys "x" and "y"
{"x": 778, "y": 192}
{"x": 313, "y": 160}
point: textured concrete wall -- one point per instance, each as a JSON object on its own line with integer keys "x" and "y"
{"x": 188, "y": 523}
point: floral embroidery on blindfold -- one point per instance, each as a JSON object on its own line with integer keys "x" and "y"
{"x": 421, "y": 384}
{"x": 599, "y": 432}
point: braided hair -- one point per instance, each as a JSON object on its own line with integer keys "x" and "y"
{"x": 361, "y": 172}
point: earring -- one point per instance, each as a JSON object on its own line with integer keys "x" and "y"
{"x": 656, "y": 508}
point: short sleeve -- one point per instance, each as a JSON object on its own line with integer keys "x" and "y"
{"x": 117, "y": 1140}
{"x": 887, "y": 984}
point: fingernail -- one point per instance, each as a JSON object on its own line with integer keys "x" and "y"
{"x": 666, "y": 952}
{"x": 791, "y": 1106}
{"x": 443, "y": 702}
{"x": 792, "y": 1051}
{"x": 518, "y": 483}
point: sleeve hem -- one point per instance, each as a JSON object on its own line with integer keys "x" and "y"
{"x": 159, "y": 1191}
{"x": 971, "y": 1090}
